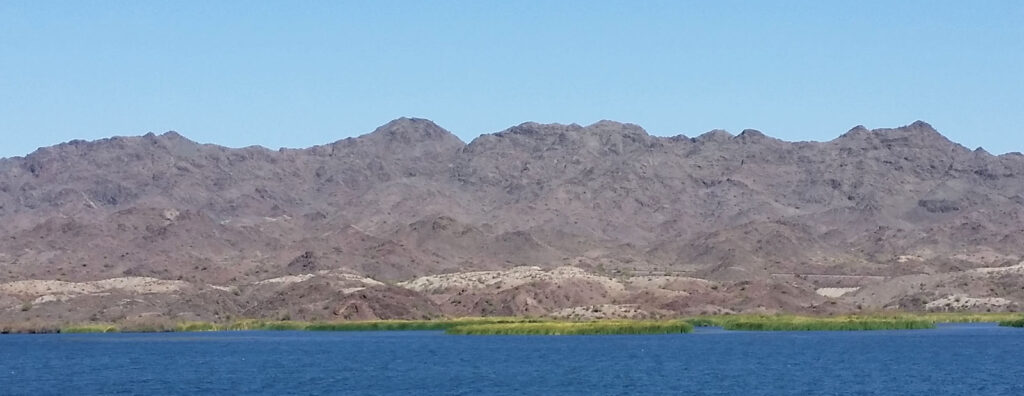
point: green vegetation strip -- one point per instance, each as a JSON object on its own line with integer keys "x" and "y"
{"x": 90, "y": 328}
{"x": 952, "y": 317}
{"x": 829, "y": 325}
{"x": 512, "y": 326}
{"x": 286, "y": 325}
{"x": 575, "y": 328}
{"x": 875, "y": 321}
{"x": 1012, "y": 323}
{"x": 401, "y": 325}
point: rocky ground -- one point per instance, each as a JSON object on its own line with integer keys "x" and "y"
{"x": 562, "y": 292}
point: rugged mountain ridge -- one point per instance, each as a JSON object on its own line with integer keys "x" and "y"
{"x": 410, "y": 200}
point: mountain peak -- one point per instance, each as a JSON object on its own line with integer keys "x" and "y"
{"x": 921, "y": 126}
{"x": 751, "y": 134}
{"x": 412, "y": 130}
{"x": 715, "y": 135}
{"x": 600, "y": 127}
{"x": 530, "y": 127}
{"x": 169, "y": 137}
{"x": 856, "y": 131}
{"x": 173, "y": 135}
{"x": 916, "y": 134}
{"x": 608, "y": 125}
{"x": 917, "y": 128}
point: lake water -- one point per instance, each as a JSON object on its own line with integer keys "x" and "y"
{"x": 979, "y": 359}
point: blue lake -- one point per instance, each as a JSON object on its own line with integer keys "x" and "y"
{"x": 977, "y": 359}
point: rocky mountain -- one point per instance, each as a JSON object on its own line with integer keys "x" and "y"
{"x": 748, "y": 222}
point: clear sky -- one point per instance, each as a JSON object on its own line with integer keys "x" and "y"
{"x": 299, "y": 73}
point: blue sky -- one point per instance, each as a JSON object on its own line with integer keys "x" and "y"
{"x": 295, "y": 74}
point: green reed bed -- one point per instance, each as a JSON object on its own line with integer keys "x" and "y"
{"x": 512, "y": 325}
{"x": 184, "y": 327}
{"x": 89, "y": 328}
{"x": 360, "y": 325}
{"x": 870, "y": 321}
{"x": 724, "y": 321}
{"x": 255, "y": 324}
{"x": 196, "y": 326}
{"x": 948, "y": 317}
{"x": 408, "y": 325}
{"x": 575, "y": 328}
{"x": 1019, "y": 322}
{"x": 828, "y": 324}
{"x": 703, "y": 322}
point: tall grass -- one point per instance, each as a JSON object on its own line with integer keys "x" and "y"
{"x": 827, "y": 324}
{"x": 401, "y": 325}
{"x": 196, "y": 326}
{"x": 1013, "y": 323}
{"x": 575, "y": 328}
{"x": 89, "y": 328}
{"x": 29, "y": 327}
{"x": 703, "y": 321}
{"x": 950, "y": 317}
{"x": 513, "y": 325}
{"x": 255, "y": 324}
{"x": 870, "y": 321}
{"x": 361, "y": 325}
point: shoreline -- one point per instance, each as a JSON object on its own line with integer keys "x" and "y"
{"x": 548, "y": 326}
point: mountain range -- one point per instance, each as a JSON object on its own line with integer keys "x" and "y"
{"x": 409, "y": 221}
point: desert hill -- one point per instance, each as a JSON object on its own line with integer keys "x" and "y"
{"x": 549, "y": 218}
